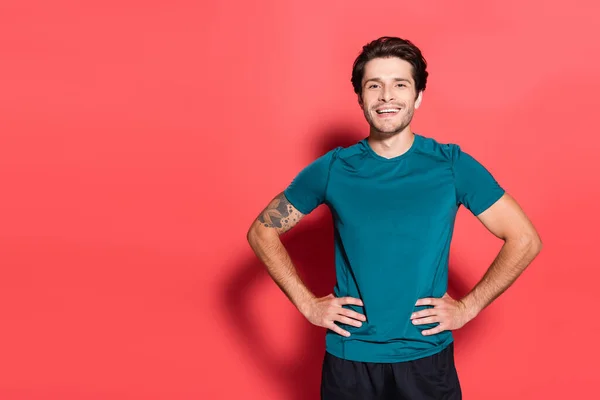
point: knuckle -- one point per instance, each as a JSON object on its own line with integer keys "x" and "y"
{"x": 340, "y": 331}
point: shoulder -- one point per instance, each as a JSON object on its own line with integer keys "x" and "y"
{"x": 341, "y": 153}
{"x": 324, "y": 160}
{"x": 437, "y": 149}
{"x": 351, "y": 151}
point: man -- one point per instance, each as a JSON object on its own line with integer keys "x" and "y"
{"x": 394, "y": 197}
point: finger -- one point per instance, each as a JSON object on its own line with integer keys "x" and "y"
{"x": 427, "y": 320}
{"x": 337, "y": 329}
{"x": 349, "y": 300}
{"x": 434, "y": 331}
{"x": 348, "y": 321}
{"x": 352, "y": 314}
{"x": 424, "y": 313}
{"x": 428, "y": 301}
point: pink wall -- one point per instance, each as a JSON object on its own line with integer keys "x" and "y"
{"x": 138, "y": 141}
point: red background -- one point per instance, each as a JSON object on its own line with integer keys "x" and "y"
{"x": 138, "y": 141}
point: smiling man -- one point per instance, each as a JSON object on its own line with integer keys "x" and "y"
{"x": 393, "y": 196}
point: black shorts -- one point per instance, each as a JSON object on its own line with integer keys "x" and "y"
{"x": 433, "y": 377}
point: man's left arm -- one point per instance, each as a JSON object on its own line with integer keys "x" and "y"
{"x": 507, "y": 221}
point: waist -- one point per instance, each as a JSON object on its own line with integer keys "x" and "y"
{"x": 374, "y": 348}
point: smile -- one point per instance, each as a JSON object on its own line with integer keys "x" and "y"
{"x": 387, "y": 112}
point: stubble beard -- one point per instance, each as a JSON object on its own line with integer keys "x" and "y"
{"x": 387, "y": 130}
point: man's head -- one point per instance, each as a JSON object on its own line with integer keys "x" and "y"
{"x": 389, "y": 74}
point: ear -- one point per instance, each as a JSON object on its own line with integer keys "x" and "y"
{"x": 419, "y": 99}
{"x": 360, "y": 101}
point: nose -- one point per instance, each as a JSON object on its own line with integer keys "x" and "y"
{"x": 386, "y": 94}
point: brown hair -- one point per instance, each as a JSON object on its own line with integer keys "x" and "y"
{"x": 386, "y": 47}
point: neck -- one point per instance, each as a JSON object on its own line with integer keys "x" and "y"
{"x": 391, "y": 145}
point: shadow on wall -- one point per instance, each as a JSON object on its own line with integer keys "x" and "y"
{"x": 310, "y": 245}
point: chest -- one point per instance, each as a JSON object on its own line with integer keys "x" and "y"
{"x": 393, "y": 200}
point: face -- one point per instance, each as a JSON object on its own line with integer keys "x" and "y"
{"x": 389, "y": 97}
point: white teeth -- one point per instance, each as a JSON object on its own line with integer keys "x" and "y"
{"x": 387, "y": 111}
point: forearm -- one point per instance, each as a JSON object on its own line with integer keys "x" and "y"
{"x": 511, "y": 261}
{"x": 269, "y": 249}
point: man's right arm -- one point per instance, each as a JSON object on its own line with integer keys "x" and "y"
{"x": 264, "y": 237}
{"x": 277, "y": 218}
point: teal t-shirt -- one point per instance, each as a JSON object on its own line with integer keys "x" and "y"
{"x": 393, "y": 224}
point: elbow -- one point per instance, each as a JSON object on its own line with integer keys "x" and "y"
{"x": 252, "y": 235}
{"x": 538, "y": 242}
{"x": 538, "y": 245}
{"x": 535, "y": 247}
{"x": 532, "y": 242}
{"x": 257, "y": 234}
{"x": 253, "y": 239}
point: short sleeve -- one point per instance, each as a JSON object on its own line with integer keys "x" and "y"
{"x": 307, "y": 190}
{"x": 476, "y": 188}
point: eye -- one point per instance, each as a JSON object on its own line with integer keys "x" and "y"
{"x": 372, "y": 86}
{"x": 402, "y": 85}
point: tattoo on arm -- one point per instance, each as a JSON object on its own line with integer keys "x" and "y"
{"x": 280, "y": 214}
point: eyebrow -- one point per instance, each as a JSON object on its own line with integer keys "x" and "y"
{"x": 380, "y": 80}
